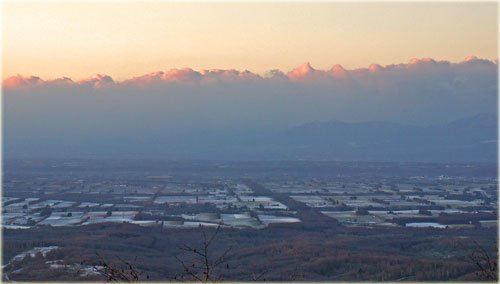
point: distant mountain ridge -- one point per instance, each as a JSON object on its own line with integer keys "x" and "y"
{"x": 471, "y": 139}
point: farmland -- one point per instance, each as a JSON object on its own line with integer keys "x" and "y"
{"x": 146, "y": 206}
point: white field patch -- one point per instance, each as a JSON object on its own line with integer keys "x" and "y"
{"x": 19, "y": 207}
{"x": 270, "y": 219}
{"x": 175, "y": 199}
{"x": 89, "y": 204}
{"x": 425, "y": 225}
{"x": 8, "y": 217}
{"x": 107, "y": 205}
{"x": 455, "y": 203}
{"x": 31, "y": 253}
{"x": 116, "y": 217}
{"x": 21, "y": 218}
{"x": 489, "y": 223}
{"x": 363, "y": 201}
{"x": 137, "y": 198}
{"x": 81, "y": 269}
{"x": 351, "y": 218}
{"x": 15, "y": 227}
{"x": 45, "y": 203}
{"x": 58, "y": 219}
{"x": 64, "y": 204}
{"x": 312, "y": 200}
{"x": 204, "y": 217}
{"x": 188, "y": 224}
{"x": 265, "y": 202}
{"x": 146, "y": 223}
{"x": 217, "y": 199}
{"x": 126, "y": 206}
{"x": 9, "y": 199}
{"x": 240, "y": 220}
{"x": 242, "y": 189}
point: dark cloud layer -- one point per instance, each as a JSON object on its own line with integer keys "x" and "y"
{"x": 420, "y": 91}
{"x": 170, "y": 104}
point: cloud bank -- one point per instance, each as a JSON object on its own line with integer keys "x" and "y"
{"x": 471, "y": 65}
{"x": 169, "y": 105}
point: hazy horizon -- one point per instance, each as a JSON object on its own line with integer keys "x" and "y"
{"x": 244, "y": 80}
{"x": 208, "y": 141}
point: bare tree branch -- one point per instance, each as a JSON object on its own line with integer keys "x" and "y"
{"x": 125, "y": 272}
{"x": 202, "y": 268}
{"x": 488, "y": 266}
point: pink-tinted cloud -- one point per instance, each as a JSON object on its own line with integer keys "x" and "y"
{"x": 60, "y": 81}
{"x": 97, "y": 81}
{"x": 185, "y": 74}
{"x": 19, "y": 81}
{"x": 275, "y": 74}
{"x": 375, "y": 67}
{"x": 160, "y": 104}
{"x": 474, "y": 60}
{"x": 417, "y": 61}
{"x": 218, "y": 75}
{"x": 145, "y": 80}
{"x": 338, "y": 71}
{"x": 302, "y": 73}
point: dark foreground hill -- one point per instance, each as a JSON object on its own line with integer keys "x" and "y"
{"x": 279, "y": 253}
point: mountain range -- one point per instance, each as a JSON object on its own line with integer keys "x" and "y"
{"x": 471, "y": 139}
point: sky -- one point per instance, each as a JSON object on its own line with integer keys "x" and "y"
{"x": 127, "y": 39}
{"x": 166, "y": 77}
